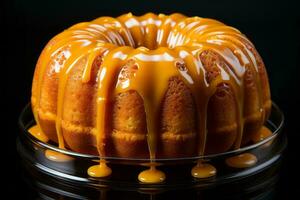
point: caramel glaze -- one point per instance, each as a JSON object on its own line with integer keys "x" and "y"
{"x": 262, "y": 134}
{"x": 36, "y": 132}
{"x": 57, "y": 156}
{"x": 203, "y": 170}
{"x": 152, "y": 175}
{"x": 244, "y": 160}
{"x": 161, "y": 47}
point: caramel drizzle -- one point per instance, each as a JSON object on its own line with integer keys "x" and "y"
{"x": 168, "y": 40}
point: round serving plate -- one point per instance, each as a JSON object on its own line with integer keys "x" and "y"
{"x": 70, "y": 179}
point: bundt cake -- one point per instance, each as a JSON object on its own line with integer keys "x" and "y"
{"x": 154, "y": 86}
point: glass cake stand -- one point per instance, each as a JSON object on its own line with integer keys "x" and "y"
{"x": 69, "y": 179}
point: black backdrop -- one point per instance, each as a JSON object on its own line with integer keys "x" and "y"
{"x": 273, "y": 26}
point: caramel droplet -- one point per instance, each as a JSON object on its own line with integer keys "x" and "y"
{"x": 36, "y": 132}
{"x": 203, "y": 170}
{"x": 262, "y": 134}
{"x": 100, "y": 170}
{"x": 244, "y": 160}
{"x": 57, "y": 157}
{"x": 152, "y": 175}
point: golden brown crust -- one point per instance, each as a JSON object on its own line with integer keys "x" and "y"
{"x": 79, "y": 109}
{"x": 174, "y": 145}
{"x": 129, "y": 145}
{"x": 178, "y": 108}
{"x": 129, "y": 125}
{"x": 79, "y": 106}
{"x": 178, "y": 121}
{"x": 221, "y": 120}
{"x": 79, "y": 139}
{"x": 210, "y": 61}
{"x": 47, "y": 124}
{"x": 129, "y": 113}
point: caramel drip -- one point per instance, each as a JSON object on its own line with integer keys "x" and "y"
{"x": 193, "y": 74}
{"x": 161, "y": 47}
{"x": 247, "y": 59}
{"x": 112, "y": 62}
{"x": 101, "y": 170}
{"x": 203, "y": 170}
{"x": 65, "y": 41}
{"x": 63, "y": 78}
{"x": 36, "y": 132}
{"x": 262, "y": 134}
{"x": 151, "y": 84}
{"x": 236, "y": 65}
{"x": 244, "y": 160}
{"x": 109, "y": 70}
{"x": 57, "y": 157}
{"x": 151, "y": 175}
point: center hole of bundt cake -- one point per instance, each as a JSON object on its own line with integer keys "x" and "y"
{"x": 150, "y": 39}
{"x": 151, "y": 45}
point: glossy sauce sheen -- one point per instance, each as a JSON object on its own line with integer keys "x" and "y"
{"x": 244, "y": 160}
{"x": 36, "y": 132}
{"x": 152, "y": 175}
{"x": 57, "y": 157}
{"x": 203, "y": 170}
{"x": 162, "y": 47}
{"x": 262, "y": 134}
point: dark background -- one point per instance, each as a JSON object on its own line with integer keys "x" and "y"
{"x": 273, "y": 26}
